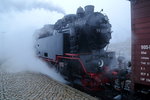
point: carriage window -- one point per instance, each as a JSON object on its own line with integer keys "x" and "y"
{"x": 46, "y": 54}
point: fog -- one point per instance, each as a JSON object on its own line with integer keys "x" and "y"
{"x": 16, "y": 37}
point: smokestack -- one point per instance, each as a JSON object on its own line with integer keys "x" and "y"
{"x": 89, "y": 9}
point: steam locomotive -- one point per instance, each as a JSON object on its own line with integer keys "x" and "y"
{"x": 77, "y": 46}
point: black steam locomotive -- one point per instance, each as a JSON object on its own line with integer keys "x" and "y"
{"x": 76, "y": 45}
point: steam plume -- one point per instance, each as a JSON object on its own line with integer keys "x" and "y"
{"x": 19, "y": 5}
{"x": 16, "y": 36}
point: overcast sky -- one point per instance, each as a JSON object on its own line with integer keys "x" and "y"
{"x": 40, "y": 12}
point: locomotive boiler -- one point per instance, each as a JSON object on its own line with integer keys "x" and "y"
{"x": 76, "y": 46}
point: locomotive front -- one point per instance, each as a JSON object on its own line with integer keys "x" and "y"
{"x": 89, "y": 30}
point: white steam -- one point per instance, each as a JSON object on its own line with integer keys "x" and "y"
{"x": 122, "y": 48}
{"x": 20, "y": 5}
{"x": 17, "y": 43}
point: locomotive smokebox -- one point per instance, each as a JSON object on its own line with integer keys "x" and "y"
{"x": 89, "y": 9}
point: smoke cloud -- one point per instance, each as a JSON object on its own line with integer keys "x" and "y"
{"x": 20, "y": 5}
{"x": 16, "y": 39}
